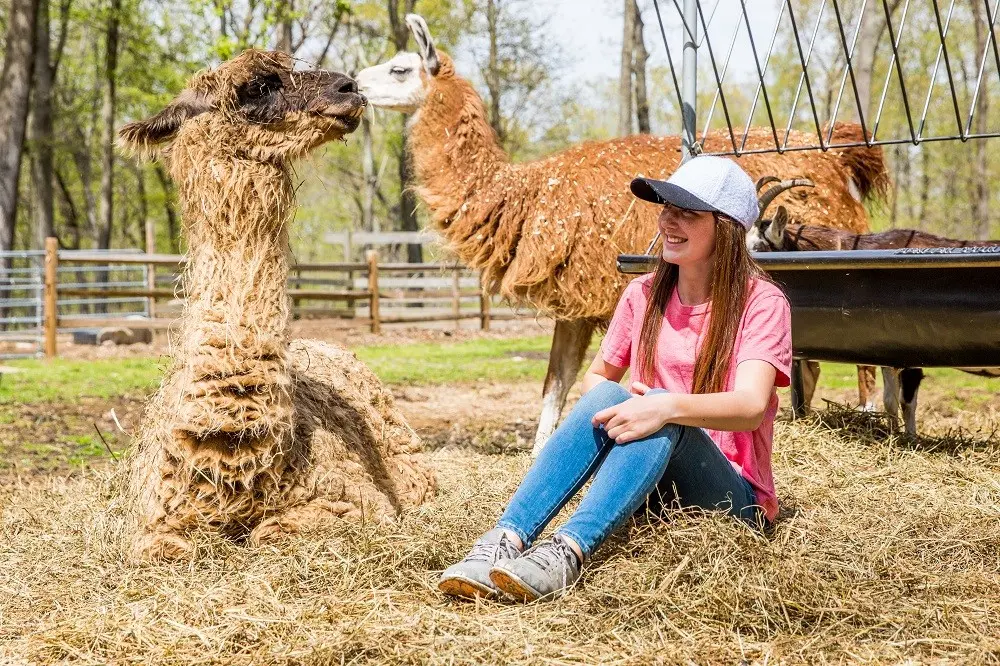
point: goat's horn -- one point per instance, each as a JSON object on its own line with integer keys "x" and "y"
{"x": 769, "y": 196}
{"x": 765, "y": 180}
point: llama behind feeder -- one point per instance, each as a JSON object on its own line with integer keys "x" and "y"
{"x": 546, "y": 233}
{"x": 779, "y": 234}
{"x": 250, "y": 436}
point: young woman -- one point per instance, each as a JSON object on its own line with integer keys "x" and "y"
{"x": 708, "y": 339}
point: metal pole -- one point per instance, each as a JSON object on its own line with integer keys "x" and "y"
{"x": 689, "y": 79}
{"x": 689, "y": 88}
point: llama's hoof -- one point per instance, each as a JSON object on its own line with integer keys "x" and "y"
{"x": 159, "y": 547}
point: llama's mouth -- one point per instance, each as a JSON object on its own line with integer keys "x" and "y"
{"x": 346, "y": 116}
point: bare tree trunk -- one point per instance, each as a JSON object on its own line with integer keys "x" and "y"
{"x": 981, "y": 197}
{"x": 640, "y": 55}
{"x": 106, "y": 214}
{"x": 15, "y": 92}
{"x": 625, "y": 76}
{"x": 408, "y": 203}
{"x": 897, "y": 163}
{"x": 925, "y": 184}
{"x": 168, "y": 206}
{"x": 69, "y": 213}
{"x": 285, "y": 9}
{"x": 40, "y": 132}
{"x": 368, "y": 173}
{"x": 407, "y": 199}
{"x": 493, "y": 71}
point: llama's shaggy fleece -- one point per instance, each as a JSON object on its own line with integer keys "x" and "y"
{"x": 546, "y": 233}
{"x": 247, "y": 435}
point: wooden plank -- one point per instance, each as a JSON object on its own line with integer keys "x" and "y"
{"x": 121, "y": 293}
{"x": 80, "y": 322}
{"x": 381, "y": 238}
{"x": 341, "y": 267}
{"x": 324, "y": 295}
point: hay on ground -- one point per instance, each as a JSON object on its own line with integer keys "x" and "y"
{"x": 886, "y": 551}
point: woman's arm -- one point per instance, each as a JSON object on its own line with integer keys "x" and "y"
{"x": 599, "y": 371}
{"x": 741, "y": 409}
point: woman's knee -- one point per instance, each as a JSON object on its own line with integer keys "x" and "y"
{"x": 604, "y": 395}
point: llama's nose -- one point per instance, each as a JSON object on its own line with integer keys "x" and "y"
{"x": 346, "y": 85}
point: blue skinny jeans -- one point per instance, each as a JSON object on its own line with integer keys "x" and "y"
{"x": 675, "y": 463}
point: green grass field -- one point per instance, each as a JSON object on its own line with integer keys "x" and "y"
{"x": 509, "y": 360}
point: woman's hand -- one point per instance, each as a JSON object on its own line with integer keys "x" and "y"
{"x": 635, "y": 418}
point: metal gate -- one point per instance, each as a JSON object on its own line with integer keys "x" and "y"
{"x": 22, "y": 290}
{"x": 22, "y": 284}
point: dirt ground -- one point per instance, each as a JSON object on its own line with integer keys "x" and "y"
{"x": 334, "y": 330}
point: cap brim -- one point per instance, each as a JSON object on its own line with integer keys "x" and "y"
{"x": 662, "y": 192}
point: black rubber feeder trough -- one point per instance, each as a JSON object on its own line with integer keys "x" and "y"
{"x": 910, "y": 308}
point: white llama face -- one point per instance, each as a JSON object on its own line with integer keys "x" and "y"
{"x": 400, "y": 84}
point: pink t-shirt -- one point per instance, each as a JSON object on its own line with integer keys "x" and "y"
{"x": 765, "y": 334}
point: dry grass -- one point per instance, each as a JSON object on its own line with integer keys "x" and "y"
{"x": 886, "y": 551}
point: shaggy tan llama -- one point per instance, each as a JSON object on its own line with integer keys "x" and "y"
{"x": 546, "y": 233}
{"x": 249, "y": 435}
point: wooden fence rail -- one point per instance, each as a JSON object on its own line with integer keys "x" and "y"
{"x": 373, "y": 293}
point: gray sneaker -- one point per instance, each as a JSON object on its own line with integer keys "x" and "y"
{"x": 470, "y": 578}
{"x": 546, "y": 570}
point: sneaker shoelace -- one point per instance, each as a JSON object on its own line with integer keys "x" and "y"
{"x": 491, "y": 552}
{"x": 551, "y": 553}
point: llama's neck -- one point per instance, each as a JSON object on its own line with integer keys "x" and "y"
{"x": 454, "y": 148}
{"x": 233, "y": 339}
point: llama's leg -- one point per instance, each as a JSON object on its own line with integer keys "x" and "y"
{"x": 151, "y": 546}
{"x": 310, "y": 515}
{"x": 866, "y": 388}
{"x": 909, "y": 379}
{"x": 890, "y": 391}
{"x": 569, "y": 345}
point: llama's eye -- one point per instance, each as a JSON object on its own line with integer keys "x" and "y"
{"x": 400, "y": 71}
{"x": 261, "y": 86}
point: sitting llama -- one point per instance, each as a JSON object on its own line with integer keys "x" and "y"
{"x": 250, "y": 435}
{"x": 779, "y": 234}
{"x": 546, "y": 233}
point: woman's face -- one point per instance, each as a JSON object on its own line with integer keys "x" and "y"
{"x": 688, "y": 235}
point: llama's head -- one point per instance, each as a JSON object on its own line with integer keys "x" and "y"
{"x": 768, "y": 233}
{"x": 256, "y": 106}
{"x": 402, "y": 84}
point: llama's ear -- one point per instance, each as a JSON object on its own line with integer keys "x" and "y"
{"x": 422, "y": 35}
{"x": 144, "y": 136}
{"x": 776, "y": 230}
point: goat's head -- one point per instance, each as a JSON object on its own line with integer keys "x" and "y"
{"x": 258, "y": 106}
{"x": 768, "y": 233}
{"x": 402, "y": 83}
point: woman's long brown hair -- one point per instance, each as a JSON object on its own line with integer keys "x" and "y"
{"x": 734, "y": 270}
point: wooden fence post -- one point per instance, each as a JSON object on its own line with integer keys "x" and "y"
{"x": 372, "y": 257}
{"x": 455, "y": 298}
{"x": 51, "y": 281}
{"x": 484, "y": 306}
{"x": 151, "y": 268}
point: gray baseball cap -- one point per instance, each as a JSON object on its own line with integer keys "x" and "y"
{"x": 706, "y": 183}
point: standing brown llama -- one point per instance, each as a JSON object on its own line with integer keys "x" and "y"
{"x": 546, "y": 233}
{"x": 248, "y": 435}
